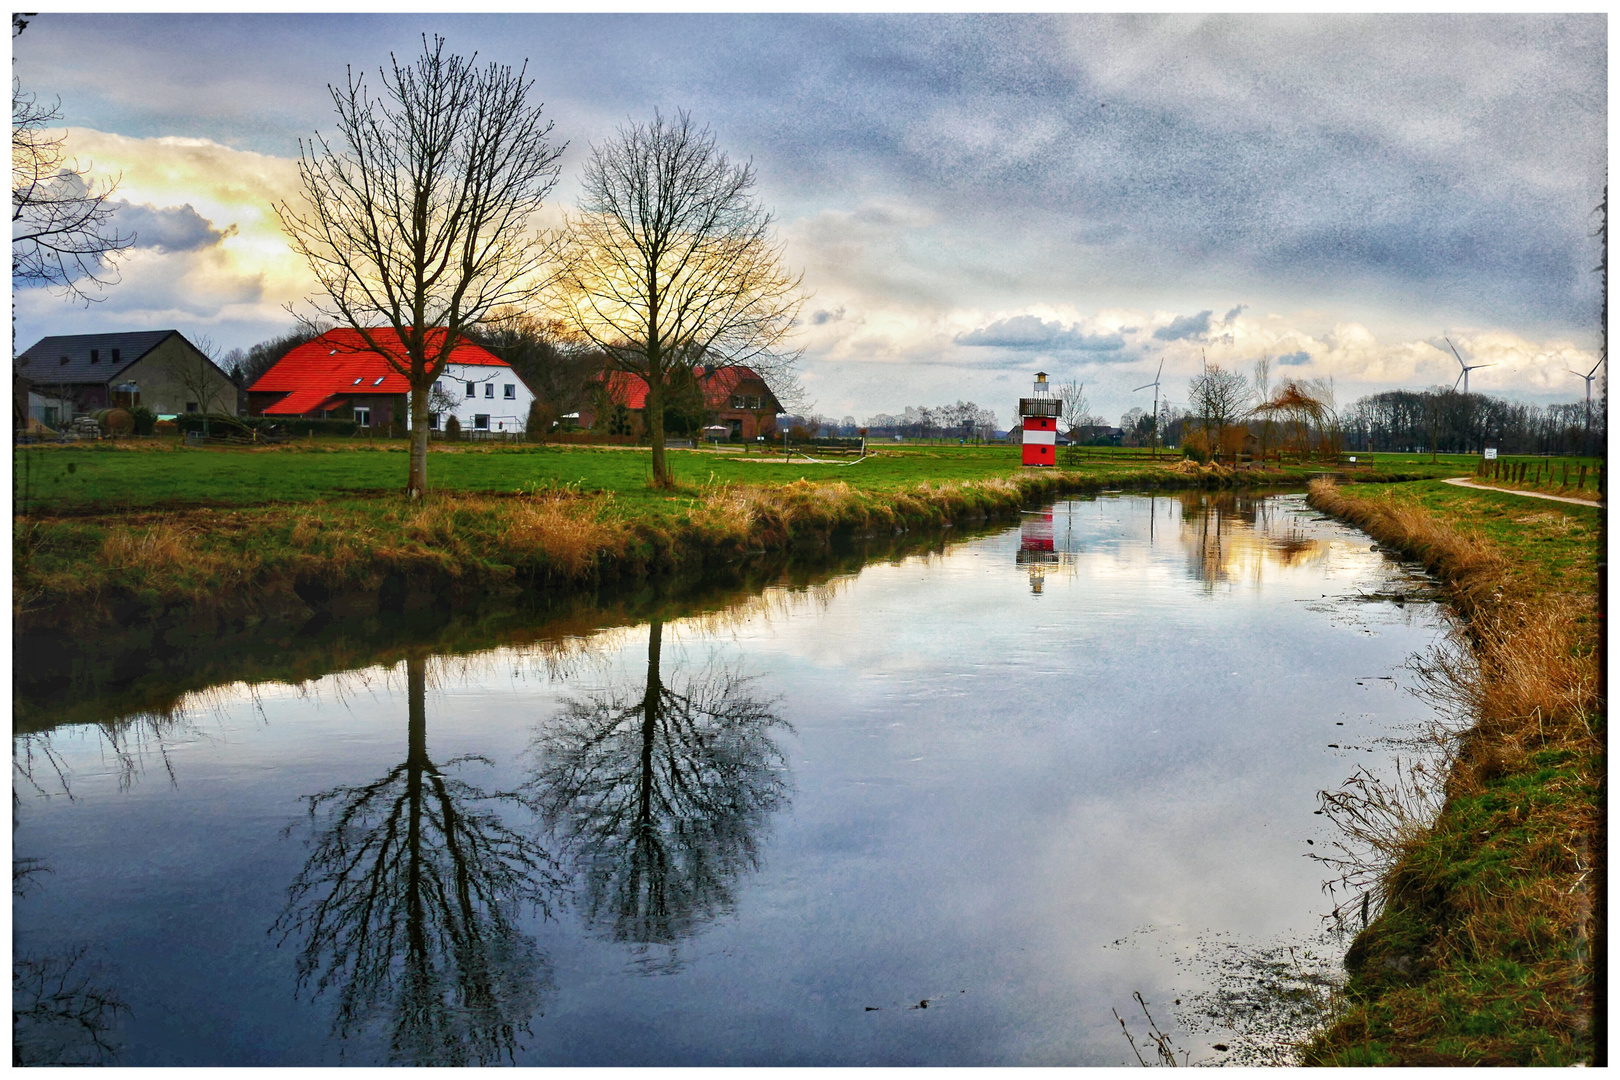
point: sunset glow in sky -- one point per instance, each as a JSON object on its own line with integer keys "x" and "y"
{"x": 970, "y": 198}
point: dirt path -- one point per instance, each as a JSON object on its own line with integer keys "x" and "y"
{"x": 1462, "y": 481}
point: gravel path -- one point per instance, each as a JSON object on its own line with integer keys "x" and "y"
{"x": 1462, "y": 481}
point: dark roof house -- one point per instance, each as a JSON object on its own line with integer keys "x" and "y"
{"x": 157, "y": 369}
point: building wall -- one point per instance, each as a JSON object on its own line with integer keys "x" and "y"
{"x": 487, "y": 398}
{"x": 158, "y": 374}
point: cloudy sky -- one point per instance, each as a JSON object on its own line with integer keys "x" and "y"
{"x": 970, "y": 198}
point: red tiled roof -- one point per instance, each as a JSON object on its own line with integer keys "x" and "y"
{"x": 340, "y": 362}
{"x": 718, "y": 384}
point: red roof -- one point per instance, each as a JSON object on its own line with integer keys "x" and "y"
{"x": 340, "y": 362}
{"x": 718, "y": 385}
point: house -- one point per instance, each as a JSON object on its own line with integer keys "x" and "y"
{"x": 735, "y": 398}
{"x": 69, "y": 375}
{"x": 338, "y": 375}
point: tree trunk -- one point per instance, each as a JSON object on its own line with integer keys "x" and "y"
{"x": 416, "y": 488}
{"x": 653, "y": 418}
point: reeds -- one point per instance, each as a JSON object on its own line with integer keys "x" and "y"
{"x": 1483, "y": 862}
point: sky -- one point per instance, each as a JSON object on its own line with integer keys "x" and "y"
{"x": 970, "y": 199}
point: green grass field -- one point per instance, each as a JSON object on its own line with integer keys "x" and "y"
{"x": 112, "y": 476}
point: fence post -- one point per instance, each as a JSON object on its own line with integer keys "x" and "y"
{"x": 1582, "y": 483}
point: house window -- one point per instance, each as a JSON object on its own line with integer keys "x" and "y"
{"x": 362, "y": 417}
{"x": 481, "y": 421}
{"x": 472, "y": 389}
{"x": 115, "y": 356}
{"x": 95, "y": 356}
{"x": 191, "y": 406}
{"x": 433, "y": 421}
{"x": 489, "y": 390}
{"x": 509, "y": 392}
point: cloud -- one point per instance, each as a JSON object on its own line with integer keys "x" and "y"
{"x": 823, "y": 317}
{"x": 169, "y": 229}
{"x": 1183, "y": 327}
{"x": 1234, "y": 313}
{"x": 1294, "y": 359}
{"x": 1030, "y": 332}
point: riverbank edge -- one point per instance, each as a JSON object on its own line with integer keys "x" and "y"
{"x": 1487, "y": 947}
{"x": 239, "y": 566}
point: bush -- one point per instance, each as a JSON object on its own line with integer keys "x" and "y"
{"x": 145, "y": 420}
{"x": 300, "y": 426}
{"x": 452, "y": 429}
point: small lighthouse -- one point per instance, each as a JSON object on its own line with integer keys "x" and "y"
{"x": 1040, "y": 415}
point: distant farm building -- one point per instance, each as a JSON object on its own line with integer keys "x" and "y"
{"x": 69, "y": 375}
{"x": 734, "y": 398}
{"x": 339, "y": 376}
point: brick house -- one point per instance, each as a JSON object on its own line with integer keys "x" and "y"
{"x": 733, "y": 397}
{"x": 337, "y": 375}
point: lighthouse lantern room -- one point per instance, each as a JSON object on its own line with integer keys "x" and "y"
{"x": 1040, "y": 415}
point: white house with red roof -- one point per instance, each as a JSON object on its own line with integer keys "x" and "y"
{"x": 338, "y": 375}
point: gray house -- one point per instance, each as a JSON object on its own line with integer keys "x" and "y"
{"x": 78, "y": 373}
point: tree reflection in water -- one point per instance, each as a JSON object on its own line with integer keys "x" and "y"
{"x": 659, "y": 799}
{"x": 407, "y": 906}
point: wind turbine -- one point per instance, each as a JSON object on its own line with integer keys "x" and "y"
{"x": 1589, "y": 376}
{"x": 1466, "y": 368}
{"x": 1155, "y": 385}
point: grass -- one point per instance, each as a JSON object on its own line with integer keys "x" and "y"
{"x": 119, "y": 476}
{"x": 1483, "y": 952}
{"x": 1571, "y": 477}
{"x": 112, "y": 534}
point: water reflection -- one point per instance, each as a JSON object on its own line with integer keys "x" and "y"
{"x": 1228, "y": 536}
{"x": 61, "y": 1012}
{"x": 407, "y": 907}
{"x": 659, "y": 798}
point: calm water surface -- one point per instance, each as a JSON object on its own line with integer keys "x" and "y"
{"x": 1019, "y": 780}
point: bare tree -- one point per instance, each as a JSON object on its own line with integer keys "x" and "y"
{"x": 418, "y": 221}
{"x": 1217, "y": 397}
{"x": 62, "y": 230}
{"x": 1076, "y": 408}
{"x": 673, "y": 265}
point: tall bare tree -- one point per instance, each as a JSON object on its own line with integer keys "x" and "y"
{"x": 62, "y": 230}
{"x": 1076, "y": 407}
{"x": 1217, "y": 397}
{"x": 419, "y": 213}
{"x": 674, "y": 265}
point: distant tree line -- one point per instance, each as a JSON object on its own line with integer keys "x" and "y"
{"x": 963, "y": 420}
{"x": 1450, "y": 422}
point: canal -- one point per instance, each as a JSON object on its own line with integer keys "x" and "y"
{"x": 949, "y": 808}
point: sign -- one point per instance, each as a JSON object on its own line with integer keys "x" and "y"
{"x": 1490, "y": 453}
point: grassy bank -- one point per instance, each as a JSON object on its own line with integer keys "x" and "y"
{"x": 1483, "y": 952}
{"x": 121, "y": 536}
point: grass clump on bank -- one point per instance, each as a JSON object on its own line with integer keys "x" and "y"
{"x": 1483, "y": 951}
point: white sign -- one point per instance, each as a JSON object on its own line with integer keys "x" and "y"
{"x": 1490, "y": 453}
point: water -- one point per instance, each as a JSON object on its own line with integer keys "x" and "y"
{"x": 1018, "y": 779}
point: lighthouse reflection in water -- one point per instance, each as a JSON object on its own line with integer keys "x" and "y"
{"x": 1037, "y": 551}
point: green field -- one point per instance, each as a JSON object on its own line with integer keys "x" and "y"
{"x": 113, "y": 476}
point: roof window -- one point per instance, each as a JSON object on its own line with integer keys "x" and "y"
{"x": 64, "y": 359}
{"x": 115, "y": 356}
{"x": 358, "y": 381}
{"x": 95, "y": 356}
{"x": 379, "y": 381}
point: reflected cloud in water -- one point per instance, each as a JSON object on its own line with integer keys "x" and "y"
{"x": 658, "y": 797}
{"x": 407, "y": 907}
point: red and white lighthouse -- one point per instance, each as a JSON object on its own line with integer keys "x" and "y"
{"x": 1040, "y": 415}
